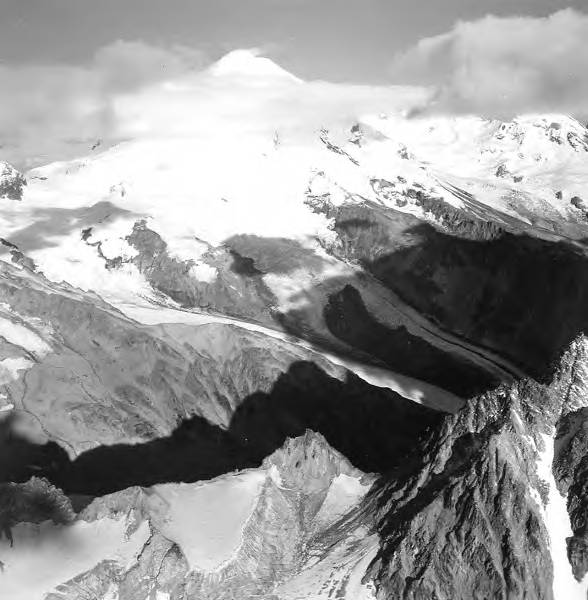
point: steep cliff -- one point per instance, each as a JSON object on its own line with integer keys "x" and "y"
{"x": 493, "y": 504}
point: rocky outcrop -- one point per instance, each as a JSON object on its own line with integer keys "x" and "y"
{"x": 324, "y": 138}
{"x": 465, "y": 525}
{"x": 16, "y": 255}
{"x": 571, "y": 473}
{"x": 12, "y": 182}
{"x": 349, "y": 320}
{"x": 455, "y": 221}
{"x": 476, "y": 513}
{"x": 222, "y": 280}
{"x": 570, "y": 465}
{"x": 309, "y": 463}
{"x": 566, "y": 130}
{"x": 34, "y": 501}
{"x": 300, "y": 531}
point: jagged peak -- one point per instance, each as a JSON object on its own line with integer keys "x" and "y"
{"x": 571, "y": 379}
{"x": 309, "y": 462}
{"x": 531, "y": 408}
{"x": 578, "y": 347}
{"x": 11, "y": 182}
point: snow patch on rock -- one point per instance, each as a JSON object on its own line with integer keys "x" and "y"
{"x": 344, "y": 493}
{"x": 203, "y": 272}
{"x": 10, "y": 368}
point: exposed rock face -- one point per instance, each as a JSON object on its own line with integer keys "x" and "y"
{"x": 17, "y": 256}
{"x": 571, "y": 451}
{"x": 287, "y": 530}
{"x": 475, "y": 515}
{"x": 348, "y": 318}
{"x": 455, "y": 221}
{"x": 571, "y": 472}
{"x": 468, "y": 524}
{"x": 35, "y": 501}
{"x": 11, "y": 182}
{"x": 491, "y": 290}
{"x": 226, "y": 292}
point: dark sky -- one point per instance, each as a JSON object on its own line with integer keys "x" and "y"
{"x": 340, "y": 40}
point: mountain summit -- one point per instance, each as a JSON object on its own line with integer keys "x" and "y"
{"x": 250, "y": 64}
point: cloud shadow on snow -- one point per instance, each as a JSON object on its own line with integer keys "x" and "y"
{"x": 50, "y": 223}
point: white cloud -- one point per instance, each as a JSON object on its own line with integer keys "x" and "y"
{"x": 504, "y": 66}
{"x": 132, "y": 89}
{"x": 248, "y": 94}
{"x": 493, "y": 66}
{"x": 129, "y": 65}
{"x": 47, "y": 109}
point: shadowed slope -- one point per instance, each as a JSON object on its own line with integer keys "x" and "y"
{"x": 373, "y": 427}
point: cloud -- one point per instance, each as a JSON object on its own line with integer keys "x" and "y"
{"x": 504, "y": 66}
{"x": 49, "y": 111}
{"x": 246, "y": 94}
{"x": 131, "y": 89}
{"x": 129, "y": 65}
{"x": 493, "y": 66}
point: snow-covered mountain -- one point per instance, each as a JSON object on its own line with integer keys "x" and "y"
{"x": 347, "y": 363}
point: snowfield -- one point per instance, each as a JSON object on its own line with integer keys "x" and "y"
{"x": 45, "y": 555}
{"x": 206, "y": 520}
{"x": 344, "y": 494}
